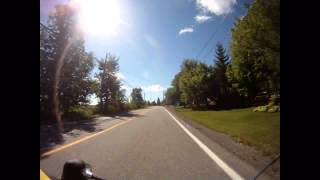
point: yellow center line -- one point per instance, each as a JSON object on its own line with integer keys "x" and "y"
{"x": 83, "y": 139}
{"x": 43, "y": 176}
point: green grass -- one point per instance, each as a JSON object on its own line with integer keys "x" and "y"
{"x": 258, "y": 129}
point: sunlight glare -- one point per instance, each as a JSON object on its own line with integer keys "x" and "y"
{"x": 98, "y": 17}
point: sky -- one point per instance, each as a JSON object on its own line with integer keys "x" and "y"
{"x": 152, "y": 38}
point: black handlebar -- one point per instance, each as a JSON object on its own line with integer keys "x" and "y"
{"x": 74, "y": 169}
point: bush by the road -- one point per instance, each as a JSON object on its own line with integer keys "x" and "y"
{"x": 268, "y": 108}
{"x": 80, "y": 113}
{"x": 132, "y": 106}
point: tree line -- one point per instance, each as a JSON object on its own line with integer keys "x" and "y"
{"x": 249, "y": 77}
{"x": 66, "y": 71}
{"x": 154, "y": 103}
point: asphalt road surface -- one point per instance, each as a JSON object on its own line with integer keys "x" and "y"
{"x": 150, "y": 145}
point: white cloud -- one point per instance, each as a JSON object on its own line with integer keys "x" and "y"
{"x": 125, "y": 87}
{"x": 120, "y": 76}
{"x": 153, "y": 88}
{"x": 201, "y": 19}
{"x": 186, "y": 30}
{"x": 217, "y": 7}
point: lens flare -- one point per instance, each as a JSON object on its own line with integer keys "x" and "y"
{"x": 98, "y": 17}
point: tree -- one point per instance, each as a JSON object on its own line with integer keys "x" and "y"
{"x": 176, "y": 89}
{"x": 153, "y": 103}
{"x": 64, "y": 65}
{"x": 136, "y": 97}
{"x": 76, "y": 85}
{"x": 109, "y": 93}
{"x": 158, "y": 102}
{"x": 193, "y": 82}
{"x": 45, "y": 74}
{"x": 170, "y": 96}
{"x": 220, "y": 83}
{"x": 173, "y": 94}
{"x": 255, "y": 50}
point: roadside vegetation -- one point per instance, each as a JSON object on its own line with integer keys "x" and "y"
{"x": 260, "y": 130}
{"x": 67, "y": 80}
{"x": 239, "y": 93}
{"x": 249, "y": 76}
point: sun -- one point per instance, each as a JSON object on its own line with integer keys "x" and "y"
{"x": 98, "y": 17}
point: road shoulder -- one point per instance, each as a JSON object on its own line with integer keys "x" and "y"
{"x": 243, "y": 152}
{"x": 51, "y": 139}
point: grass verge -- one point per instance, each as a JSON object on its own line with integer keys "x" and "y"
{"x": 258, "y": 129}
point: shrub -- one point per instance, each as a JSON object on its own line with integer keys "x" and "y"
{"x": 112, "y": 110}
{"x": 260, "y": 109}
{"x": 274, "y": 109}
{"x": 268, "y": 108}
{"x": 79, "y": 113}
{"x": 126, "y": 107}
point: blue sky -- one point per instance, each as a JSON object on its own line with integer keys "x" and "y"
{"x": 148, "y": 43}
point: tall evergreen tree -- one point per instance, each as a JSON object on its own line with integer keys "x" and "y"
{"x": 219, "y": 75}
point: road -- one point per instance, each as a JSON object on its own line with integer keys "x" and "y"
{"x": 150, "y": 145}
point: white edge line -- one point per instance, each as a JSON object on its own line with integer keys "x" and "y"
{"x": 227, "y": 169}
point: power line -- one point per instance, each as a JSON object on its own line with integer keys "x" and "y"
{"x": 218, "y": 28}
{"x": 212, "y": 36}
{"x": 209, "y": 53}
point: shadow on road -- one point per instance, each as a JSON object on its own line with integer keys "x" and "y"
{"x": 124, "y": 115}
{"x": 50, "y": 136}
